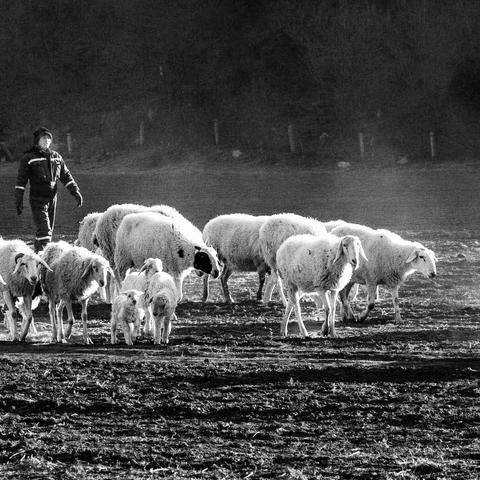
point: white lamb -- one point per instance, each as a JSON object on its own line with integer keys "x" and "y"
{"x": 161, "y": 297}
{"x": 76, "y": 275}
{"x": 127, "y": 312}
{"x": 86, "y": 230}
{"x": 179, "y": 245}
{"x": 321, "y": 265}
{"x": 235, "y": 237}
{"x": 19, "y": 269}
{"x": 274, "y": 231}
{"x": 138, "y": 280}
{"x": 391, "y": 260}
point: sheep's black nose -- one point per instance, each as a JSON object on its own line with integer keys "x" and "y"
{"x": 433, "y": 275}
{"x": 33, "y": 279}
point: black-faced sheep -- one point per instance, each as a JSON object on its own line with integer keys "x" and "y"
{"x": 179, "y": 245}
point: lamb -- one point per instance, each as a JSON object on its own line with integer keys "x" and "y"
{"x": 86, "y": 230}
{"x": 76, "y": 274}
{"x": 321, "y": 265}
{"x": 273, "y": 233}
{"x": 392, "y": 260}
{"x": 161, "y": 296}
{"x": 139, "y": 279}
{"x": 178, "y": 244}
{"x": 19, "y": 270}
{"x": 126, "y": 311}
{"x": 235, "y": 237}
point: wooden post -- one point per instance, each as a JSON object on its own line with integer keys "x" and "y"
{"x": 361, "y": 143}
{"x": 141, "y": 134}
{"x": 433, "y": 146}
{"x": 69, "y": 143}
{"x": 291, "y": 138}
{"x": 216, "y": 133}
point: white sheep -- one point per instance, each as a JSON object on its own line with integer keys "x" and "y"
{"x": 391, "y": 260}
{"x": 109, "y": 221}
{"x": 19, "y": 269}
{"x": 161, "y": 297}
{"x": 127, "y": 312}
{"x": 274, "y": 231}
{"x": 179, "y": 245}
{"x": 86, "y": 230}
{"x": 138, "y": 280}
{"x": 318, "y": 264}
{"x": 331, "y": 224}
{"x": 76, "y": 275}
{"x": 235, "y": 237}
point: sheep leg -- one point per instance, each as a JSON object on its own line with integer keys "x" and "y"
{"x": 261, "y": 281}
{"x": 60, "y": 330}
{"x": 27, "y": 302}
{"x": 271, "y": 282}
{"x": 113, "y": 329}
{"x": 10, "y": 315}
{"x": 332, "y": 299}
{"x": 127, "y": 332}
{"x": 167, "y": 328}
{"x": 298, "y": 314}
{"x": 157, "y": 327}
{"x": 206, "y": 288}
{"x": 52, "y": 313}
{"x": 371, "y": 296}
{"x": 226, "y": 272}
{"x": 286, "y": 318}
{"x": 348, "y": 314}
{"x": 71, "y": 319}
{"x": 147, "y": 326}
{"x": 86, "y": 338}
{"x": 396, "y": 304}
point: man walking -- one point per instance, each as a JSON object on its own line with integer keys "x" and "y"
{"x": 43, "y": 168}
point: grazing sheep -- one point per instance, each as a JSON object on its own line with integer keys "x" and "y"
{"x": 322, "y": 265}
{"x": 391, "y": 260}
{"x": 235, "y": 237}
{"x": 19, "y": 269}
{"x": 76, "y": 275}
{"x": 273, "y": 233}
{"x": 109, "y": 221}
{"x": 161, "y": 297}
{"x": 179, "y": 245}
{"x": 86, "y": 230}
{"x": 126, "y": 311}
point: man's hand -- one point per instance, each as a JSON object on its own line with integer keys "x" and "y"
{"x": 79, "y": 198}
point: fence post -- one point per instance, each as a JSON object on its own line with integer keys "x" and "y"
{"x": 141, "y": 133}
{"x": 433, "y": 146}
{"x": 361, "y": 143}
{"x": 69, "y": 143}
{"x": 291, "y": 138}
{"x": 216, "y": 133}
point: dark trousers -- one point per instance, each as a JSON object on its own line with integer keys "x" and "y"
{"x": 43, "y": 213}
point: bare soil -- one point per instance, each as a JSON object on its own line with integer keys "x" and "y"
{"x": 229, "y": 398}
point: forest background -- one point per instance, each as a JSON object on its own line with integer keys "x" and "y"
{"x": 312, "y": 81}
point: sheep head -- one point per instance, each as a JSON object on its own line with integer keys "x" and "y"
{"x": 351, "y": 248}
{"x": 423, "y": 260}
{"x": 206, "y": 260}
{"x": 27, "y": 265}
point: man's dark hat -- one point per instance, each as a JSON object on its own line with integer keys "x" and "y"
{"x": 41, "y": 132}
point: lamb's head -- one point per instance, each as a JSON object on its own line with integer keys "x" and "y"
{"x": 133, "y": 296}
{"x": 97, "y": 268}
{"x": 350, "y": 248}
{"x": 206, "y": 260}
{"x": 151, "y": 266}
{"x": 422, "y": 260}
{"x": 27, "y": 265}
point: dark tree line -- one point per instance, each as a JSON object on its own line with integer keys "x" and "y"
{"x": 393, "y": 70}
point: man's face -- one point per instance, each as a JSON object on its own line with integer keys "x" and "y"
{"x": 44, "y": 141}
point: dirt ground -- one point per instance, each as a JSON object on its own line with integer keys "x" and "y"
{"x": 230, "y": 399}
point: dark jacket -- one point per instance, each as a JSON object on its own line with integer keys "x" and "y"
{"x": 44, "y": 168}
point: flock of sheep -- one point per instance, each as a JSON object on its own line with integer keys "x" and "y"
{"x": 137, "y": 257}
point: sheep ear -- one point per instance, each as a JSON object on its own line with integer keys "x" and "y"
{"x": 339, "y": 252}
{"x": 18, "y": 256}
{"x": 412, "y": 256}
{"x": 87, "y": 268}
{"x": 143, "y": 268}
